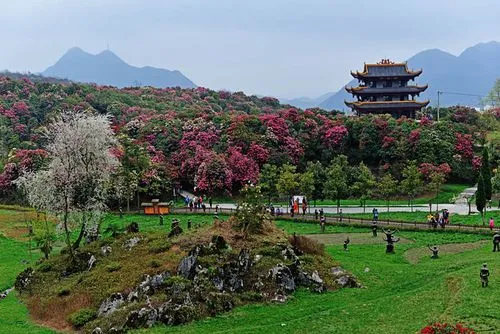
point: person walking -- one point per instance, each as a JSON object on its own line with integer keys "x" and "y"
{"x": 492, "y": 223}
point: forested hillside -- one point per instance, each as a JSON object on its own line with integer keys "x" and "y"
{"x": 217, "y": 141}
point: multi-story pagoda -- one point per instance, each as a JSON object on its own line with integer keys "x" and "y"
{"x": 383, "y": 89}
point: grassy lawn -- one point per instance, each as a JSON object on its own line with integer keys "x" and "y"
{"x": 399, "y": 297}
{"x": 13, "y": 314}
{"x": 421, "y": 216}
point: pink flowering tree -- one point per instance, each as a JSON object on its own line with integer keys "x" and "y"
{"x": 436, "y": 176}
{"x": 213, "y": 175}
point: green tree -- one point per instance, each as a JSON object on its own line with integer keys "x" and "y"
{"x": 288, "y": 180}
{"x": 134, "y": 163}
{"x": 486, "y": 172}
{"x": 336, "y": 186}
{"x": 412, "y": 182}
{"x": 319, "y": 174}
{"x": 493, "y": 97}
{"x": 364, "y": 184}
{"x": 480, "y": 197}
{"x": 268, "y": 180}
{"x": 495, "y": 185}
{"x": 387, "y": 187}
{"x": 251, "y": 215}
{"x": 306, "y": 184}
{"x": 437, "y": 179}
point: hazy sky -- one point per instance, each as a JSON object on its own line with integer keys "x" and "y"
{"x": 270, "y": 47}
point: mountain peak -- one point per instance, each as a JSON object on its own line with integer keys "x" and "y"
{"x": 106, "y": 68}
{"x": 109, "y": 56}
{"x": 76, "y": 51}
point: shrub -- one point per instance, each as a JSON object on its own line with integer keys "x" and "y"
{"x": 154, "y": 264}
{"x": 81, "y": 317}
{"x": 113, "y": 266}
{"x": 63, "y": 292}
{"x": 45, "y": 267}
{"x": 306, "y": 245}
{"x": 159, "y": 246}
{"x": 439, "y": 328}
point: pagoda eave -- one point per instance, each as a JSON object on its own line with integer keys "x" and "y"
{"x": 379, "y": 106}
{"x": 364, "y": 90}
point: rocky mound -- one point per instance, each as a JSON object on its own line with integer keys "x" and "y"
{"x": 215, "y": 270}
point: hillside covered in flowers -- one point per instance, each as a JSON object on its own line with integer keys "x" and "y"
{"x": 217, "y": 141}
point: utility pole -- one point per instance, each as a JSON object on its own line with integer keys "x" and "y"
{"x": 439, "y": 93}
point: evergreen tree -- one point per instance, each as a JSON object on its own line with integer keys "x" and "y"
{"x": 486, "y": 173}
{"x": 480, "y": 197}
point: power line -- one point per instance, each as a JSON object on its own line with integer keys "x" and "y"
{"x": 457, "y": 93}
{"x": 454, "y": 93}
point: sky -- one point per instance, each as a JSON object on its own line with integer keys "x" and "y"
{"x": 276, "y": 48}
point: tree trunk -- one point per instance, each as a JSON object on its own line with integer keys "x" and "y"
{"x": 338, "y": 205}
{"x": 128, "y": 204}
{"x": 411, "y": 204}
{"x": 437, "y": 199}
{"x": 364, "y": 206}
{"x": 76, "y": 244}
{"x": 138, "y": 201}
{"x": 66, "y": 231}
{"x": 387, "y": 205}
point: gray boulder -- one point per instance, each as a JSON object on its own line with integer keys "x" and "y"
{"x": 111, "y": 304}
{"x": 283, "y": 277}
{"x": 145, "y": 317}
{"x": 131, "y": 243}
{"x": 187, "y": 267}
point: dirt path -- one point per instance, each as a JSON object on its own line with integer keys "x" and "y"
{"x": 414, "y": 255}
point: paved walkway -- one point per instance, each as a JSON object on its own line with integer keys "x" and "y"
{"x": 465, "y": 195}
{"x": 453, "y": 208}
{"x": 460, "y": 207}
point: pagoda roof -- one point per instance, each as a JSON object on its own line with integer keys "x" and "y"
{"x": 364, "y": 90}
{"x": 386, "y": 105}
{"x": 386, "y": 68}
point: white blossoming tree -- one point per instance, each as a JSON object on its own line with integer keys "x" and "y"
{"x": 74, "y": 183}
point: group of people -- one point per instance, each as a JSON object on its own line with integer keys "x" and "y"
{"x": 197, "y": 203}
{"x": 295, "y": 206}
{"x": 439, "y": 218}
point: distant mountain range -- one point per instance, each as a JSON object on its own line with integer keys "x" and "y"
{"x": 106, "y": 68}
{"x": 473, "y": 72}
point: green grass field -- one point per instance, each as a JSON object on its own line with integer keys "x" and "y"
{"x": 421, "y": 216}
{"x": 399, "y": 297}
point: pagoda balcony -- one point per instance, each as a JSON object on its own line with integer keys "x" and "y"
{"x": 367, "y": 91}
